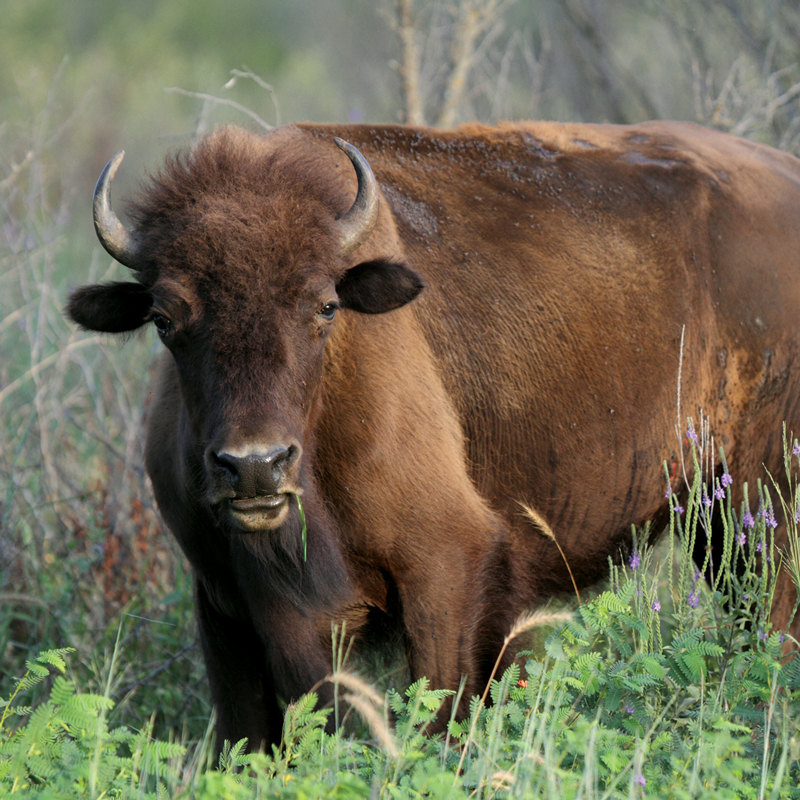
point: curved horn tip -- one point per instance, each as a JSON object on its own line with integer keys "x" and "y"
{"x": 114, "y": 163}
{"x": 119, "y": 242}
{"x": 357, "y": 224}
{"x": 107, "y": 175}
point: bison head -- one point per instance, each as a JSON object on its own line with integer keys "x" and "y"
{"x": 245, "y": 253}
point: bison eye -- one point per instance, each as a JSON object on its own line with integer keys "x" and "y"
{"x": 328, "y": 311}
{"x": 163, "y": 325}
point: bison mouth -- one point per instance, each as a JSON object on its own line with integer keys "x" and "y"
{"x": 252, "y": 514}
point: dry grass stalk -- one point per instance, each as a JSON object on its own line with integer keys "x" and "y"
{"x": 535, "y": 619}
{"x": 525, "y": 622}
{"x": 377, "y": 724}
{"x": 539, "y": 521}
{"x": 502, "y": 780}
{"x": 356, "y": 684}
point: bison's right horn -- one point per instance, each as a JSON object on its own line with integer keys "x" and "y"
{"x": 358, "y": 222}
{"x": 120, "y": 243}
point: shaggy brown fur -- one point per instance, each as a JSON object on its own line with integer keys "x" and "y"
{"x": 539, "y": 365}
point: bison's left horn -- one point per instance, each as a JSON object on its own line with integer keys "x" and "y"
{"x": 359, "y": 221}
{"x": 120, "y": 243}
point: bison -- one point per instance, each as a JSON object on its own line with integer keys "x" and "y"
{"x": 376, "y": 352}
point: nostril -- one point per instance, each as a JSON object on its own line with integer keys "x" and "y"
{"x": 284, "y": 459}
{"x": 225, "y": 465}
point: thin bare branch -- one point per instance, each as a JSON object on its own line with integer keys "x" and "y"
{"x": 237, "y": 73}
{"x": 405, "y": 27}
{"x": 474, "y": 18}
{"x": 223, "y": 101}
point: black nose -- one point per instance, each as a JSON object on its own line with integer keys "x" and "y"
{"x": 256, "y": 474}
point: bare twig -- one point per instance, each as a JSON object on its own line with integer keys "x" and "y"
{"x": 222, "y": 101}
{"x": 474, "y": 18}
{"x": 237, "y": 73}
{"x": 408, "y": 68}
{"x": 37, "y": 368}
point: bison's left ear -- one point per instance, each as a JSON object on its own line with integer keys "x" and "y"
{"x": 378, "y": 286}
{"x": 110, "y": 307}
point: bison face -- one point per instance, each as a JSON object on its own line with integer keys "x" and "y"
{"x": 244, "y": 281}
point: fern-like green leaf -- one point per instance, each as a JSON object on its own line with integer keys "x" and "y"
{"x": 62, "y": 690}
{"x": 38, "y": 670}
{"x": 613, "y": 698}
{"x": 510, "y": 678}
{"x": 396, "y": 701}
{"x": 686, "y": 639}
{"x": 615, "y": 759}
{"x": 419, "y": 687}
{"x": 55, "y": 658}
{"x": 231, "y": 756}
{"x": 709, "y": 649}
{"x": 694, "y": 663}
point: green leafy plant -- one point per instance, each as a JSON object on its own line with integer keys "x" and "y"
{"x": 65, "y": 747}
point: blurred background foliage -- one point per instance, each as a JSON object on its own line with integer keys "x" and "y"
{"x": 105, "y": 67}
{"x": 83, "y": 554}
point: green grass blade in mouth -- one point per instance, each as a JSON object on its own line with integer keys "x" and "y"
{"x": 303, "y": 520}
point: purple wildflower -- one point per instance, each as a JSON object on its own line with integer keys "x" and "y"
{"x": 706, "y": 498}
{"x": 694, "y": 598}
{"x": 747, "y": 520}
{"x": 758, "y": 547}
{"x": 691, "y": 435}
{"x": 726, "y": 479}
{"x": 656, "y": 605}
{"x": 629, "y": 709}
{"x": 719, "y": 493}
{"x": 741, "y": 539}
{"x": 640, "y": 779}
{"x": 796, "y": 448}
{"x": 770, "y": 518}
{"x": 634, "y": 560}
{"x": 678, "y": 509}
{"x": 668, "y": 492}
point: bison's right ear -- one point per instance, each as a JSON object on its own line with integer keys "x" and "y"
{"x": 110, "y": 307}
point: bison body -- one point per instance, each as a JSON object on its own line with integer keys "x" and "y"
{"x": 496, "y": 319}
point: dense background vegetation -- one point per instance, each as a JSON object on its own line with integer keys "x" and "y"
{"x": 84, "y": 561}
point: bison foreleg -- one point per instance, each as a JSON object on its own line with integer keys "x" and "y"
{"x": 453, "y": 628}
{"x": 242, "y": 689}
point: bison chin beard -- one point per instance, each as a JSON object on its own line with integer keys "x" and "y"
{"x": 280, "y": 544}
